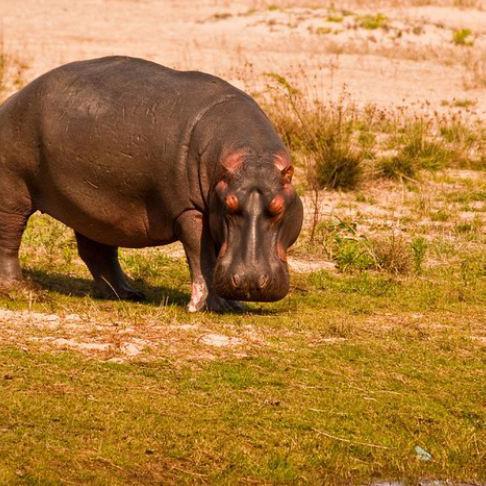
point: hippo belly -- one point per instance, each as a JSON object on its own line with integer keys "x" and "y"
{"x": 108, "y": 218}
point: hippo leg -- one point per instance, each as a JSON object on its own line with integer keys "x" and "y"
{"x": 201, "y": 256}
{"x": 102, "y": 261}
{"x": 12, "y": 226}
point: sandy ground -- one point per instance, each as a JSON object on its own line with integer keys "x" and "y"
{"x": 412, "y": 62}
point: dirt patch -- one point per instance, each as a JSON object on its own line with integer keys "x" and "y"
{"x": 120, "y": 341}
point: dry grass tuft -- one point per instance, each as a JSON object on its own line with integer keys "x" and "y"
{"x": 320, "y": 136}
{"x": 12, "y": 72}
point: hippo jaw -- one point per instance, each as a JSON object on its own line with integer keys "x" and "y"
{"x": 255, "y": 216}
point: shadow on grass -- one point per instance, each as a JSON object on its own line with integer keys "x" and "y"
{"x": 83, "y": 287}
{"x": 154, "y": 295}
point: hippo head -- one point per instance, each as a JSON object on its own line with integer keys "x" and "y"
{"x": 255, "y": 216}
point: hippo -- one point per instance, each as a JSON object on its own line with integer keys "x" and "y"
{"x": 129, "y": 153}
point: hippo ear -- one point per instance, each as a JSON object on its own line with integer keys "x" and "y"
{"x": 282, "y": 162}
{"x": 233, "y": 161}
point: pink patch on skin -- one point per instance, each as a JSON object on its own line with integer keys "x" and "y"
{"x": 282, "y": 254}
{"x": 223, "y": 249}
{"x": 282, "y": 162}
{"x": 287, "y": 175}
{"x": 221, "y": 187}
{"x": 231, "y": 202}
{"x": 233, "y": 161}
{"x": 277, "y": 204}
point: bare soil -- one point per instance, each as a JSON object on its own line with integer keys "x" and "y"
{"x": 411, "y": 62}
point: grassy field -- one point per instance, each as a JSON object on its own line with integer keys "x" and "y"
{"x": 338, "y": 383}
{"x": 373, "y": 368}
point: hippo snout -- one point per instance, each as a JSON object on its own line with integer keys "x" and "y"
{"x": 251, "y": 284}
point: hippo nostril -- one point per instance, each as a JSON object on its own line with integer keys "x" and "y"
{"x": 236, "y": 280}
{"x": 263, "y": 281}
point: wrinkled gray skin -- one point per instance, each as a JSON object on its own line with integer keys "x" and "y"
{"x": 129, "y": 153}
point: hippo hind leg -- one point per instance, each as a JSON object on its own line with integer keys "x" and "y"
{"x": 102, "y": 261}
{"x": 12, "y": 226}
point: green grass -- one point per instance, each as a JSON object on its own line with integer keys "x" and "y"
{"x": 372, "y": 22}
{"x": 324, "y": 413}
{"x": 397, "y": 167}
{"x": 334, "y": 17}
{"x": 323, "y": 30}
{"x": 351, "y": 373}
{"x": 462, "y": 37}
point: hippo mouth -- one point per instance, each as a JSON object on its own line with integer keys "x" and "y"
{"x": 258, "y": 284}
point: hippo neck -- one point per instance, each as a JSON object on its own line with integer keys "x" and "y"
{"x": 239, "y": 124}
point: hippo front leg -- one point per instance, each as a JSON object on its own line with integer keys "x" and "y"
{"x": 201, "y": 257}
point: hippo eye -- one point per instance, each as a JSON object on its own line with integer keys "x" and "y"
{"x": 276, "y": 205}
{"x": 232, "y": 203}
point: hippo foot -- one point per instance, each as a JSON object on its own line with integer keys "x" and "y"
{"x": 10, "y": 273}
{"x": 214, "y": 303}
{"x": 8, "y": 283}
{"x": 104, "y": 291}
{"x": 18, "y": 285}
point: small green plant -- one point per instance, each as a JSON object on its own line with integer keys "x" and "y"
{"x": 372, "y": 22}
{"x": 338, "y": 168}
{"x": 472, "y": 269}
{"x": 323, "y": 30}
{"x": 362, "y": 198}
{"x": 333, "y": 17}
{"x": 456, "y": 132}
{"x": 221, "y": 16}
{"x": 426, "y": 154}
{"x": 464, "y": 103}
{"x": 419, "y": 250}
{"x": 418, "y": 149}
{"x": 367, "y": 140}
{"x": 353, "y": 254}
{"x": 470, "y": 229}
{"x": 441, "y": 215}
{"x": 396, "y": 167}
{"x": 462, "y": 37}
{"x": 464, "y": 142}
{"x": 391, "y": 254}
{"x": 467, "y": 196}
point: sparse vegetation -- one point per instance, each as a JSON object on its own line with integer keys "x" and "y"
{"x": 323, "y": 30}
{"x": 463, "y": 37}
{"x": 334, "y": 17}
{"x": 396, "y": 167}
{"x": 11, "y": 73}
{"x": 418, "y": 150}
{"x": 372, "y": 22}
{"x": 441, "y": 215}
{"x": 319, "y": 135}
{"x": 419, "y": 248}
{"x": 335, "y": 141}
{"x": 460, "y": 103}
{"x": 221, "y": 16}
